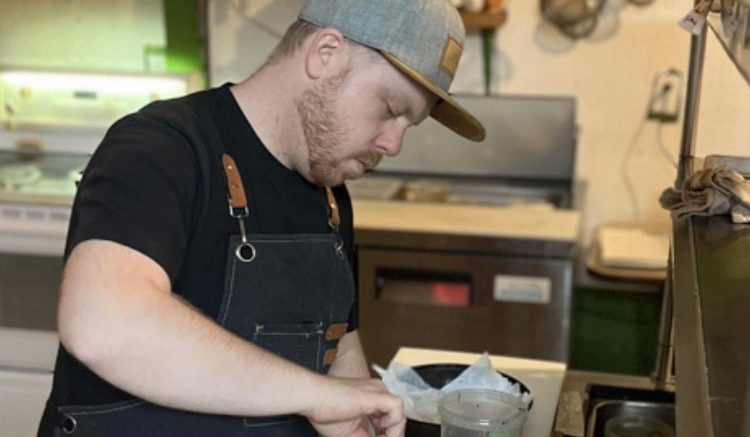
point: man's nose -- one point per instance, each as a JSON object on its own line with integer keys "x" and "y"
{"x": 390, "y": 141}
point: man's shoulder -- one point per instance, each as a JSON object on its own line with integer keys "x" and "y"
{"x": 183, "y": 120}
{"x": 185, "y": 111}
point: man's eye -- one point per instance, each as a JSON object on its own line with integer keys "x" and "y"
{"x": 389, "y": 112}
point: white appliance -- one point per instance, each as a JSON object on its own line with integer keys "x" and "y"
{"x": 50, "y": 123}
{"x": 26, "y": 365}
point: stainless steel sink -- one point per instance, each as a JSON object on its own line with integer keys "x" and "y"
{"x": 589, "y": 400}
{"x": 633, "y": 417}
{"x": 633, "y": 411}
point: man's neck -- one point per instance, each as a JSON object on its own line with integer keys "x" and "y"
{"x": 268, "y": 104}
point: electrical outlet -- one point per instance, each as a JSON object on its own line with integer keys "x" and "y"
{"x": 666, "y": 96}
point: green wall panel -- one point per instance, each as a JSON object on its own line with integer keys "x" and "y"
{"x": 615, "y": 331}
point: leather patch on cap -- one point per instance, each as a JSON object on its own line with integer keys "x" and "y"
{"x": 451, "y": 55}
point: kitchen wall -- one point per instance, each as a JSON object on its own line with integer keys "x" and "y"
{"x": 624, "y": 162}
{"x": 242, "y": 33}
{"x": 610, "y": 73}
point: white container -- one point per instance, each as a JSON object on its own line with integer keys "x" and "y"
{"x": 481, "y": 413}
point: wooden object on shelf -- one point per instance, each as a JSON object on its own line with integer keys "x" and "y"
{"x": 484, "y": 20}
{"x": 637, "y": 262}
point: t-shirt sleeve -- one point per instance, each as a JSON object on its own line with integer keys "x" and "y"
{"x": 138, "y": 190}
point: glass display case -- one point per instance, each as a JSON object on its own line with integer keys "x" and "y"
{"x": 40, "y": 178}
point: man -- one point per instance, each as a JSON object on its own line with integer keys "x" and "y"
{"x": 168, "y": 331}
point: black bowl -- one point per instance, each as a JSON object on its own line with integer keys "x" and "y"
{"x": 437, "y": 376}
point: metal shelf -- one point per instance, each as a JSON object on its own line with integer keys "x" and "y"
{"x": 711, "y": 277}
{"x": 709, "y": 270}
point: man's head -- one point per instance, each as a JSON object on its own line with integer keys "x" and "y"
{"x": 372, "y": 69}
{"x": 424, "y": 39}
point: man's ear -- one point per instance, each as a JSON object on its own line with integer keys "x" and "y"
{"x": 326, "y": 54}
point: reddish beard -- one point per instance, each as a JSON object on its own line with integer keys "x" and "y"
{"x": 323, "y": 134}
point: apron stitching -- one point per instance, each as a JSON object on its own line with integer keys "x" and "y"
{"x": 290, "y": 333}
{"x": 316, "y": 240}
{"x": 317, "y": 358}
{"x": 277, "y": 422}
{"x": 108, "y": 410}
{"x": 231, "y": 291}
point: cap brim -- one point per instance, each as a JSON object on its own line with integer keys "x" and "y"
{"x": 447, "y": 111}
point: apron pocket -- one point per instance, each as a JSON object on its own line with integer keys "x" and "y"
{"x": 300, "y": 343}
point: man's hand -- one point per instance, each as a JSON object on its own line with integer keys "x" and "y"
{"x": 345, "y": 401}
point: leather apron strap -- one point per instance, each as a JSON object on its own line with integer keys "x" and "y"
{"x": 239, "y": 209}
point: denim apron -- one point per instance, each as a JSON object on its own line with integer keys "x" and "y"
{"x": 289, "y": 294}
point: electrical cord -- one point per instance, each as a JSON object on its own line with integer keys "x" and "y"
{"x": 629, "y": 186}
{"x": 628, "y": 181}
{"x": 662, "y": 147}
{"x": 659, "y": 126}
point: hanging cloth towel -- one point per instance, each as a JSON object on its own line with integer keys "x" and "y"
{"x": 715, "y": 191}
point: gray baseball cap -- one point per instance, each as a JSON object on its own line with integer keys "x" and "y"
{"x": 424, "y": 39}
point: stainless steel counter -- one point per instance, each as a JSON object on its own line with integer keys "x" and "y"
{"x": 712, "y": 343}
{"x": 710, "y": 285}
{"x": 573, "y": 406}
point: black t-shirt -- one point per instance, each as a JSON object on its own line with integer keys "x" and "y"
{"x": 156, "y": 186}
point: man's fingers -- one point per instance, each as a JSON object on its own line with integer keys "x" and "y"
{"x": 370, "y": 399}
{"x": 389, "y": 419}
{"x": 392, "y": 431}
{"x": 359, "y": 432}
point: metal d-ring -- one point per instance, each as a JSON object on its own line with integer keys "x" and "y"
{"x": 238, "y": 252}
{"x": 69, "y": 425}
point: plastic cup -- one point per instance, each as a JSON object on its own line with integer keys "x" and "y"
{"x": 481, "y": 413}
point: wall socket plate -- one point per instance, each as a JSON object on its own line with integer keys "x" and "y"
{"x": 666, "y": 96}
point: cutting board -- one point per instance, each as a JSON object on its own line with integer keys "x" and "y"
{"x": 520, "y": 221}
